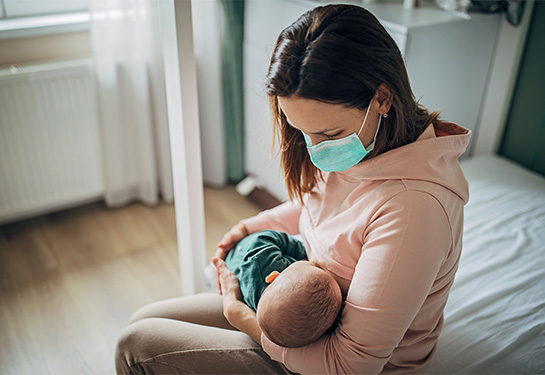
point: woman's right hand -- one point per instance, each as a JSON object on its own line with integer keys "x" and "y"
{"x": 230, "y": 239}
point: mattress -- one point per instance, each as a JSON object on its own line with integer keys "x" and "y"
{"x": 495, "y": 315}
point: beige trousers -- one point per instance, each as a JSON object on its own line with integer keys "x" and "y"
{"x": 189, "y": 335}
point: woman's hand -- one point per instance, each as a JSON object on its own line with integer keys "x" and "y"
{"x": 237, "y": 313}
{"x": 230, "y": 239}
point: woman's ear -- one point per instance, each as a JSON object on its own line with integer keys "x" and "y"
{"x": 383, "y": 97}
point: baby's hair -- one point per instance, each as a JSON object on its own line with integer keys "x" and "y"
{"x": 311, "y": 310}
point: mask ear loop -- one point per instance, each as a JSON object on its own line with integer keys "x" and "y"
{"x": 372, "y": 145}
{"x": 365, "y": 118}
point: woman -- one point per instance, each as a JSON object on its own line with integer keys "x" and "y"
{"x": 377, "y": 194}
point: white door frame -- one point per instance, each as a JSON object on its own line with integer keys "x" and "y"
{"x": 183, "y": 120}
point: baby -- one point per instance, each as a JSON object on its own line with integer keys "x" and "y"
{"x": 296, "y": 301}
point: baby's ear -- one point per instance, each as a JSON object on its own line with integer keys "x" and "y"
{"x": 273, "y": 275}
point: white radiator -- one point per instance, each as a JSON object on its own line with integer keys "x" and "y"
{"x": 49, "y": 138}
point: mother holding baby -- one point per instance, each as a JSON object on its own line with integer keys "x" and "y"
{"x": 376, "y": 193}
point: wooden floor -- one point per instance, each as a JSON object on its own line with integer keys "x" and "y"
{"x": 70, "y": 280}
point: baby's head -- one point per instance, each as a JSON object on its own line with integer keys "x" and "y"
{"x": 299, "y": 306}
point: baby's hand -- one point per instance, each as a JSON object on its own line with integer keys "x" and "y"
{"x": 230, "y": 239}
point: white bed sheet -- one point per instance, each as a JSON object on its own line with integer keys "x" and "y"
{"x": 495, "y": 315}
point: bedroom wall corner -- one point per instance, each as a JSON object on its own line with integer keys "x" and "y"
{"x": 524, "y": 136}
{"x": 500, "y": 84}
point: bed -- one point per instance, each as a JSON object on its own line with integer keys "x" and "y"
{"x": 495, "y": 315}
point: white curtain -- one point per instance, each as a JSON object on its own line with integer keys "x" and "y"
{"x": 129, "y": 72}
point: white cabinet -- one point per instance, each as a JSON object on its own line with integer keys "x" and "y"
{"x": 447, "y": 58}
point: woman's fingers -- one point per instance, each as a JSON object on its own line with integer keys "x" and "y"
{"x": 215, "y": 261}
{"x": 235, "y": 309}
{"x": 229, "y": 284}
{"x": 227, "y": 242}
{"x": 223, "y": 271}
{"x": 221, "y": 253}
{"x": 230, "y": 239}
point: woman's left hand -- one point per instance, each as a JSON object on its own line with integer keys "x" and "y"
{"x": 237, "y": 313}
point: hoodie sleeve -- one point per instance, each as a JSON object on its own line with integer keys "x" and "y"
{"x": 284, "y": 218}
{"x": 404, "y": 246}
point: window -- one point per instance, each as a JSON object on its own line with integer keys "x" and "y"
{"x": 26, "y": 8}
{"x": 24, "y": 18}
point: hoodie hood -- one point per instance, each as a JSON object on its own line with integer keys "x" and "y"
{"x": 433, "y": 157}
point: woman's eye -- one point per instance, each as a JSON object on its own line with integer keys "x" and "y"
{"x": 332, "y": 135}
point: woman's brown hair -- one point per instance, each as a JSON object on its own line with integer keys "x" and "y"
{"x": 339, "y": 54}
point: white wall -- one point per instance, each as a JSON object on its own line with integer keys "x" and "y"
{"x": 206, "y": 34}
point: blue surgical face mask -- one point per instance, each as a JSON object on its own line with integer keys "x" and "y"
{"x": 336, "y": 155}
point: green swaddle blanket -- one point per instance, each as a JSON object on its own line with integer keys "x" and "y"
{"x": 259, "y": 254}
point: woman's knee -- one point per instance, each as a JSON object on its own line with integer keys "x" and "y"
{"x": 129, "y": 344}
{"x": 144, "y": 312}
{"x": 205, "y": 309}
{"x": 140, "y": 342}
{"x": 172, "y": 308}
{"x": 168, "y": 346}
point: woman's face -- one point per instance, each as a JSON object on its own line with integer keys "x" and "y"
{"x": 322, "y": 121}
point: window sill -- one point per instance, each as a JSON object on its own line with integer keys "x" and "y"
{"x": 44, "y": 25}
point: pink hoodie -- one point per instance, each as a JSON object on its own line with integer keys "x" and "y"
{"x": 390, "y": 230}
